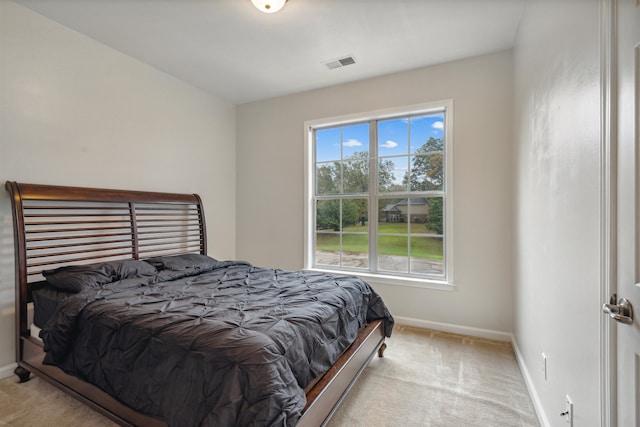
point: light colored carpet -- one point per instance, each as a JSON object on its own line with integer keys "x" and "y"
{"x": 426, "y": 378}
{"x": 37, "y": 403}
{"x": 430, "y": 378}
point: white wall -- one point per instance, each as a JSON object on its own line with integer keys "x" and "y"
{"x": 557, "y": 199}
{"x": 270, "y": 173}
{"x": 74, "y": 112}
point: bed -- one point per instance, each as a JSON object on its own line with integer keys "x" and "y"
{"x": 140, "y": 324}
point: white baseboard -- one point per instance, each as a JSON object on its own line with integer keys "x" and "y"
{"x": 7, "y": 371}
{"x": 537, "y": 405}
{"x": 454, "y": 329}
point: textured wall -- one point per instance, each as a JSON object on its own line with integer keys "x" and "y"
{"x": 74, "y": 112}
{"x": 557, "y": 199}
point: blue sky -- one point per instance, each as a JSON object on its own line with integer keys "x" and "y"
{"x": 394, "y": 137}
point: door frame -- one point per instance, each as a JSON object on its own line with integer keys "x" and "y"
{"x": 608, "y": 207}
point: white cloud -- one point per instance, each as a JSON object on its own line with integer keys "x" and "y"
{"x": 438, "y": 125}
{"x": 352, "y": 143}
{"x": 389, "y": 144}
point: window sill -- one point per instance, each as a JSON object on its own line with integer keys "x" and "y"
{"x": 392, "y": 280}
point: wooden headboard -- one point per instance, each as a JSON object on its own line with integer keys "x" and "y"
{"x": 55, "y": 226}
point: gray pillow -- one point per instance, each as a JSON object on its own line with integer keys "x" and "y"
{"x": 191, "y": 262}
{"x": 76, "y": 278}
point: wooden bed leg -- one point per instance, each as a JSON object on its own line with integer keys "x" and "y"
{"x": 22, "y": 373}
{"x": 381, "y": 350}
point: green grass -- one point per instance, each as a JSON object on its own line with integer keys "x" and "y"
{"x": 421, "y": 247}
{"x": 391, "y": 228}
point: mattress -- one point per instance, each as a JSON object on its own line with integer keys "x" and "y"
{"x": 46, "y": 301}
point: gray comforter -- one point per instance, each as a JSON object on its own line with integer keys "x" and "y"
{"x": 231, "y": 346}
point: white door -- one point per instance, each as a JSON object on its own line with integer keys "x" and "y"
{"x": 628, "y": 212}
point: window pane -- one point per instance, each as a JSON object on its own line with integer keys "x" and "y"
{"x": 390, "y": 216}
{"x": 434, "y": 222}
{"x": 327, "y": 178}
{"x": 353, "y": 213}
{"x": 356, "y": 176}
{"x": 355, "y": 141}
{"x": 392, "y": 174}
{"x": 355, "y": 250}
{"x": 418, "y": 213}
{"x": 393, "y": 254}
{"x": 327, "y": 144}
{"x": 393, "y": 137}
{"x": 427, "y": 255}
{"x": 327, "y": 249}
{"x": 424, "y": 128}
{"x": 328, "y": 215}
{"x": 427, "y": 172}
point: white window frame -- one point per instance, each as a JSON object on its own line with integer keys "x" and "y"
{"x": 309, "y": 209}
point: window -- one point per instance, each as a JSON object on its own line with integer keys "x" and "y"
{"x": 379, "y": 193}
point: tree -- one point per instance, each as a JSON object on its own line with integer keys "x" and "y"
{"x": 327, "y": 181}
{"x": 427, "y": 171}
{"x": 350, "y": 213}
{"x": 434, "y": 219}
{"x": 355, "y": 173}
{"x": 385, "y": 176}
{"x": 328, "y": 214}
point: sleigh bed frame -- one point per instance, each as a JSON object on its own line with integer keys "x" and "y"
{"x": 56, "y": 226}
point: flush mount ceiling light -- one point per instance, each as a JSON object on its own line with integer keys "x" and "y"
{"x": 269, "y": 6}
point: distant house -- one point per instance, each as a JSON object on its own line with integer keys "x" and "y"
{"x": 417, "y": 207}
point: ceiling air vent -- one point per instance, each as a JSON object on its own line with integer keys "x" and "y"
{"x": 339, "y": 63}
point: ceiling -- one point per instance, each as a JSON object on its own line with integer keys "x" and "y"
{"x": 234, "y": 51}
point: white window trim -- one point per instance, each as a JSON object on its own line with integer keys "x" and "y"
{"x": 422, "y": 282}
